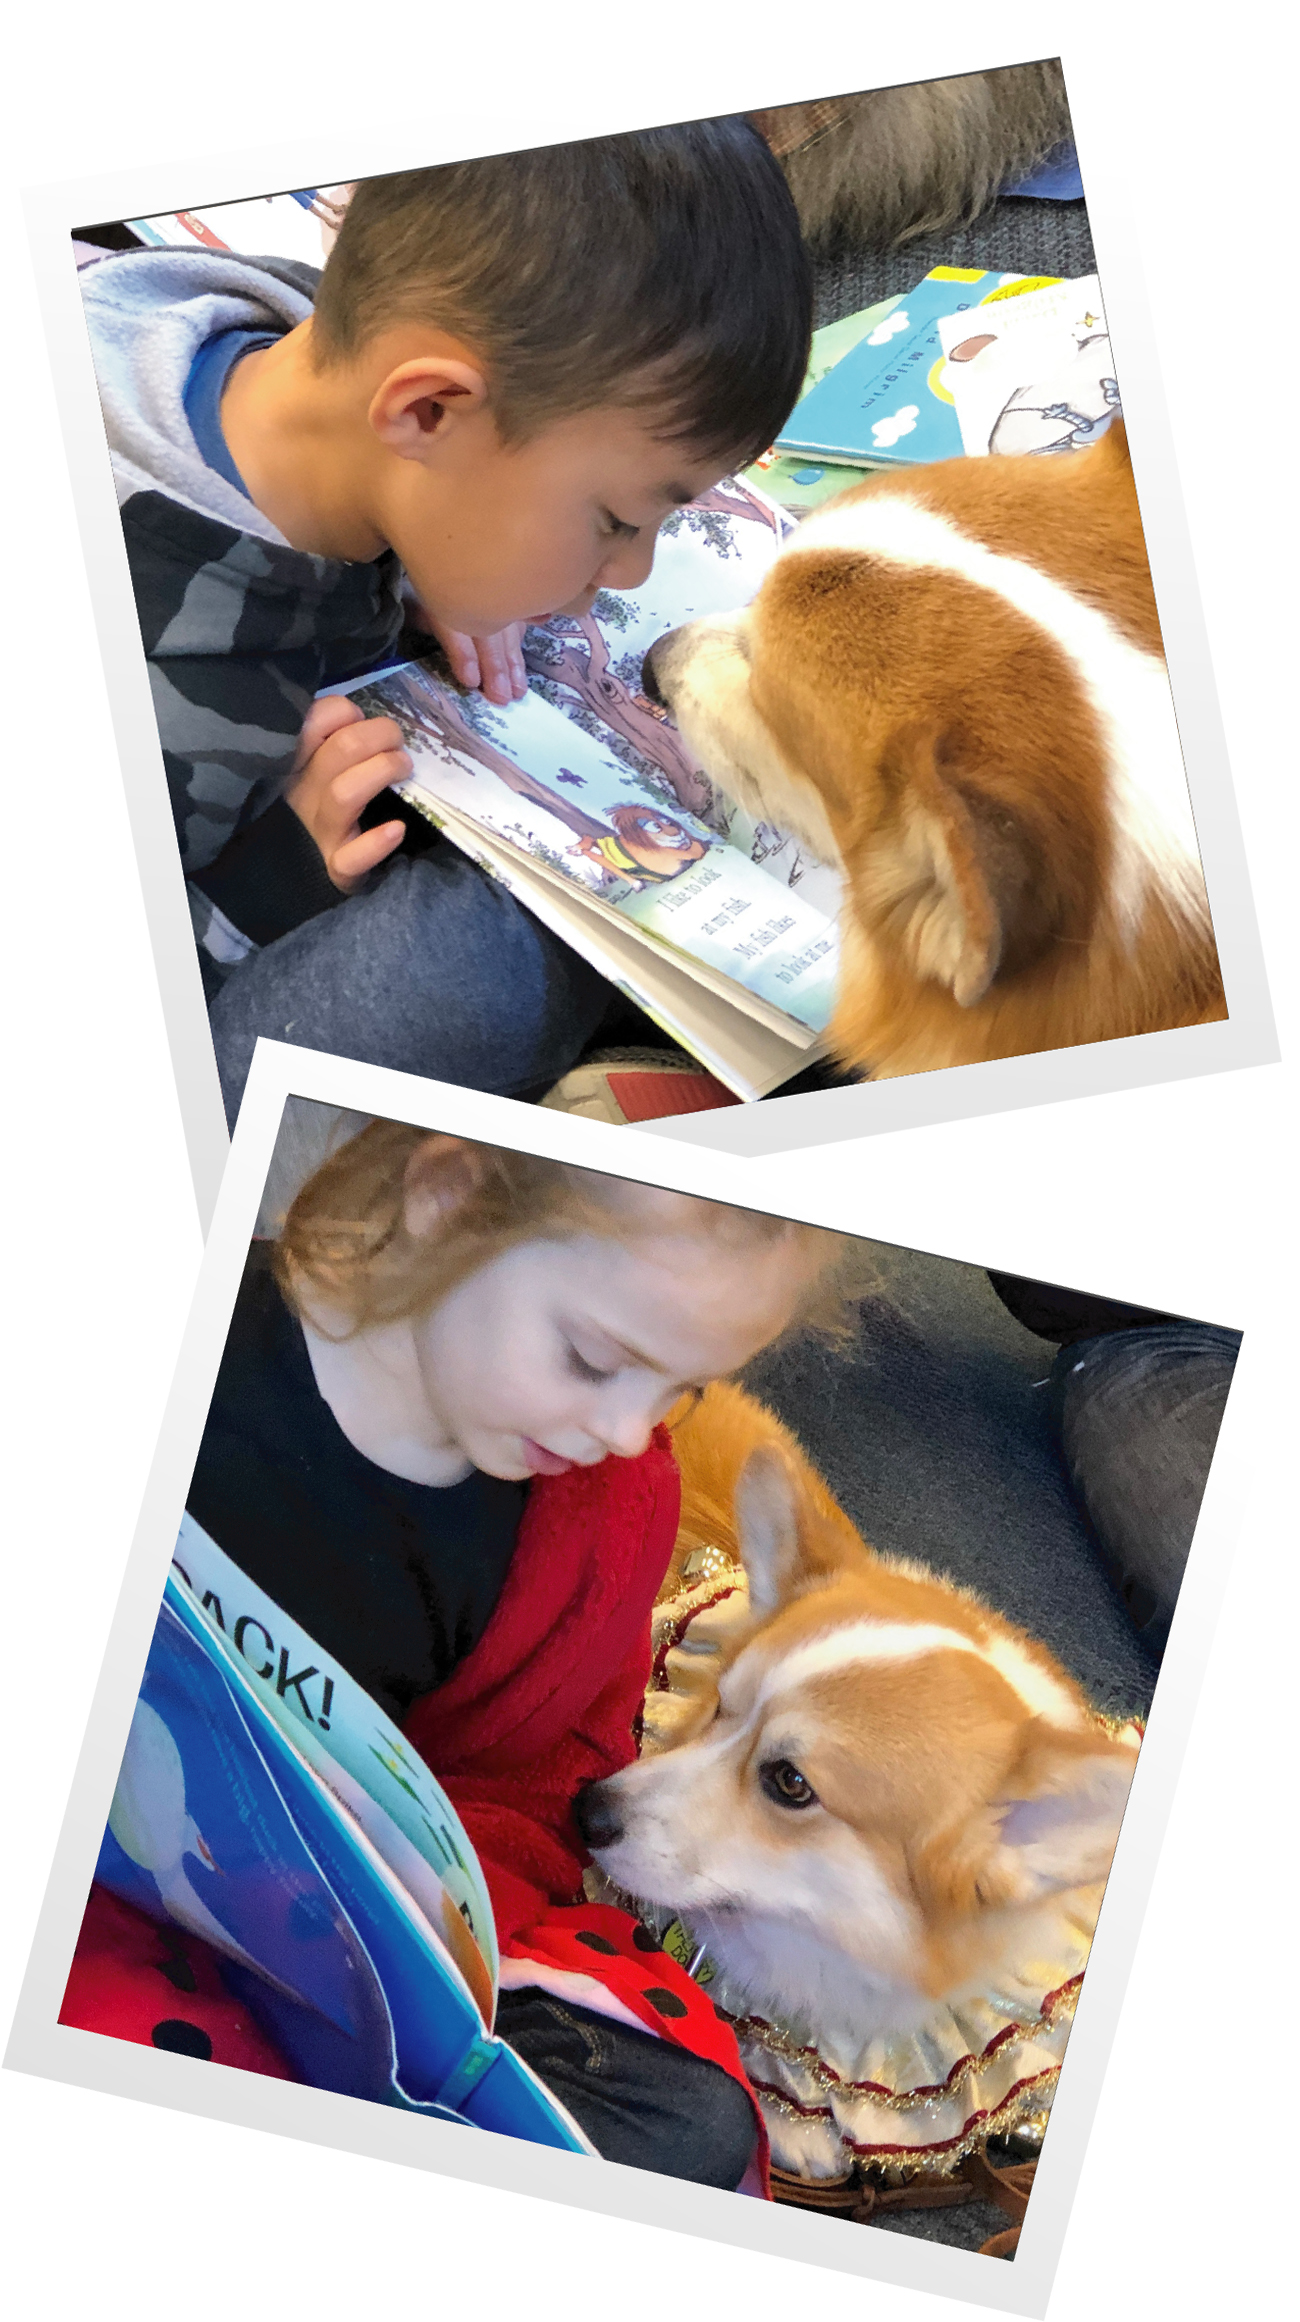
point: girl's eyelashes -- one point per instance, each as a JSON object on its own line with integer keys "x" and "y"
{"x": 616, "y": 528}
{"x": 582, "y": 1369}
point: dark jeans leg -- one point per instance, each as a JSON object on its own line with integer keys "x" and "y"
{"x": 434, "y": 970}
{"x": 641, "y": 2101}
{"x": 1139, "y": 1414}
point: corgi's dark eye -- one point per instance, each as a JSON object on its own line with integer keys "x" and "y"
{"x": 785, "y": 1785}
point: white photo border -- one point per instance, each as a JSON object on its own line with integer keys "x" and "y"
{"x": 493, "y": 122}
{"x": 40, "y": 2045}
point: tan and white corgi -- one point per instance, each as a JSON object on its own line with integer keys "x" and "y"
{"x": 882, "y": 1799}
{"x": 951, "y": 685}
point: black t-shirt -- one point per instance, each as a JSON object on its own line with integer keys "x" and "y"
{"x": 397, "y": 1580}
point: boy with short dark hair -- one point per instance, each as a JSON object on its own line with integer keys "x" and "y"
{"x": 512, "y": 371}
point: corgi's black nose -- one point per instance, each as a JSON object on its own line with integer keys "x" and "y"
{"x": 649, "y": 681}
{"x": 597, "y": 1816}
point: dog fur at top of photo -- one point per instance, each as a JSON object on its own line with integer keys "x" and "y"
{"x": 886, "y": 165}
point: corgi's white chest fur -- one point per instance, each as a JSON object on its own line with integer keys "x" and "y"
{"x": 804, "y": 1980}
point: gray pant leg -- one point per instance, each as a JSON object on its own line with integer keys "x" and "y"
{"x": 1139, "y": 1413}
{"x": 433, "y": 970}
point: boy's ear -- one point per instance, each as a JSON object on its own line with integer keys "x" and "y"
{"x": 419, "y": 398}
{"x": 957, "y": 880}
{"x": 442, "y": 1176}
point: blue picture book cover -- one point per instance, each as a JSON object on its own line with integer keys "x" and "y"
{"x": 268, "y": 1805}
{"x": 885, "y": 403}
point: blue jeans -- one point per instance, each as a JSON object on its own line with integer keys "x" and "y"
{"x": 434, "y": 969}
{"x": 642, "y": 2101}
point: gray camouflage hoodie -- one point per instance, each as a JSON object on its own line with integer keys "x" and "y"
{"x": 240, "y": 629}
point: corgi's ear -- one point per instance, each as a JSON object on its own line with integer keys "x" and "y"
{"x": 955, "y": 881}
{"x": 1059, "y": 1816}
{"x": 784, "y": 1538}
{"x": 767, "y": 1520}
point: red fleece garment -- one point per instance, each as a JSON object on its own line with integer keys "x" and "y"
{"x": 549, "y": 1697}
{"x": 546, "y": 1702}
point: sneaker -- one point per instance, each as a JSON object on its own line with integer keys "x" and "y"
{"x": 623, "y": 1085}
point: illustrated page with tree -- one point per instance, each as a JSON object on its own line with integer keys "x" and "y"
{"x": 587, "y": 777}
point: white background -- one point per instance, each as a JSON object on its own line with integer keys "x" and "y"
{"x": 1182, "y": 1196}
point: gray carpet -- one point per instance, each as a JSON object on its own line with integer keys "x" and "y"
{"x": 1014, "y": 237}
{"x": 968, "y": 2226}
{"x": 934, "y": 1432}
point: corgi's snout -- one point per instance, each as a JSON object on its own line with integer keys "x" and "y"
{"x": 675, "y": 658}
{"x": 650, "y": 685}
{"x": 598, "y": 1818}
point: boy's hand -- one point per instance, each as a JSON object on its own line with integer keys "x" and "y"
{"x": 344, "y": 760}
{"x": 495, "y": 663}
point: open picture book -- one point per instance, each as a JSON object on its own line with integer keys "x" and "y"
{"x": 267, "y": 1804}
{"x": 583, "y": 801}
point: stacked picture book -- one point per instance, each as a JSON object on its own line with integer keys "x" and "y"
{"x": 969, "y": 362}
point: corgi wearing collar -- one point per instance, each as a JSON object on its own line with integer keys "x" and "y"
{"x": 884, "y": 1798}
{"x": 951, "y": 686}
